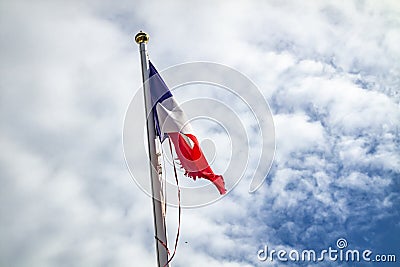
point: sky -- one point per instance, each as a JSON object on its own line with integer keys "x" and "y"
{"x": 329, "y": 71}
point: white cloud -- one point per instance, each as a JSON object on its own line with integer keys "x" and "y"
{"x": 362, "y": 181}
{"x": 330, "y": 71}
{"x": 297, "y": 134}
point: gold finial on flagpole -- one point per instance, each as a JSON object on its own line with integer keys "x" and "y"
{"x": 142, "y": 37}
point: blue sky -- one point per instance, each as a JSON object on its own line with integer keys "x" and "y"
{"x": 328, "y": 69}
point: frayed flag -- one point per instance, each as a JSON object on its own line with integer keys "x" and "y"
{"x": 170, "y": 122}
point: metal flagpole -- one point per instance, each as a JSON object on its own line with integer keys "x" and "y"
{"x": 159, "y": 221}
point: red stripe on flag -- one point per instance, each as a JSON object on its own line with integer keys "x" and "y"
{"x": 193, "y": 160}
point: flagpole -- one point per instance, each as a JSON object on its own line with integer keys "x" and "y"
{"x": 157, "y": 195}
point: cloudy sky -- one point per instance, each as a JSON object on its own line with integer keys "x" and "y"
{"x": 328, "y": 69}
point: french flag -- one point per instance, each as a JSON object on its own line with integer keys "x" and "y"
{"x": 170, "y": 122}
